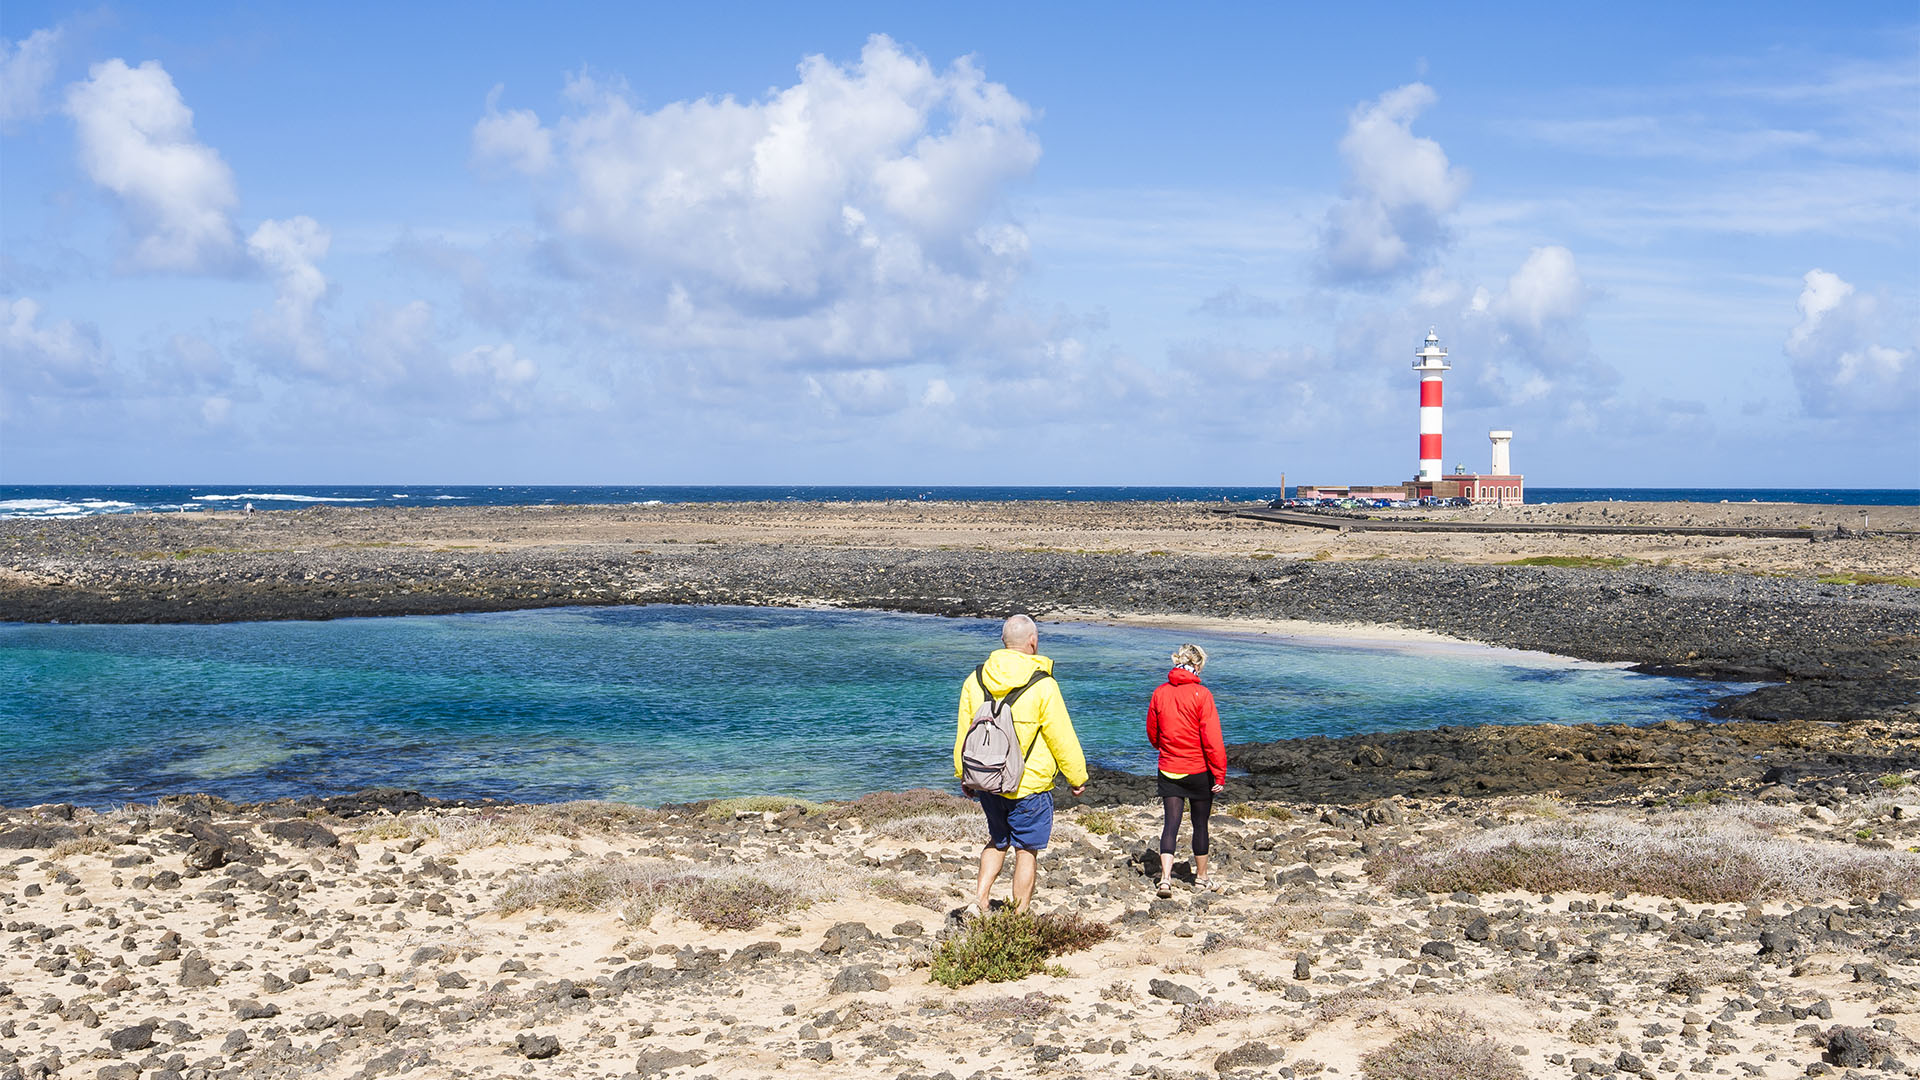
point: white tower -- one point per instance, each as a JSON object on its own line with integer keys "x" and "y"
{"x": 1431, "y": 363}
{"x": 1502, "y": 465}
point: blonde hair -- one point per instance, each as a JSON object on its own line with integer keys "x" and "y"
{"x": 1190, "y": 656}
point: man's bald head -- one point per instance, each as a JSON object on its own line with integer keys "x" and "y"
{"x": 1018, "y": 632}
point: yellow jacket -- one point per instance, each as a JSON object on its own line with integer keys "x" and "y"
{"x": 1056, "y": 749}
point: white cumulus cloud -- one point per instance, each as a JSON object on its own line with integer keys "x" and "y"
{"x": 136, "y": 140}
{"x": 850, "y": 220}
{"x": 514, "y": 137}
{"x": 26, "y": 67}
{"x": 1841, "y": 365}
{"x": 1399, "y": 187}
{"x": 56, "y": 359}
{"x": 1545, "y": 290}
{"x": 289, "y": 251}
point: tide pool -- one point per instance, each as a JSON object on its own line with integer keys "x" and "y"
{"x": 664, "y": 704}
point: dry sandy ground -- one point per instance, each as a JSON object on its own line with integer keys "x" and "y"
{"x": 1137, "y": 528}
{"x": 384, "y": 945}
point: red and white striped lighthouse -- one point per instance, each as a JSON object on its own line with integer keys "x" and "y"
{"x": 1431, "y": 363}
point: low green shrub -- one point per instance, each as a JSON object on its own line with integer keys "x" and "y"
{"x": 1008, "y": 945}
{"x": 1099, "y": 822}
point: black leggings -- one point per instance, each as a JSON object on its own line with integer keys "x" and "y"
{"x": 1170, "y": 832}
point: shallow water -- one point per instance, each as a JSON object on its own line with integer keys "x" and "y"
{"x": 661, "y": 704}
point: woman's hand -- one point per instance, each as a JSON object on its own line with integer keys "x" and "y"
{"x": 1218, "y": 788}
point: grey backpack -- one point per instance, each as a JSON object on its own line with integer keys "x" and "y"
{"x": 991, "y": 758}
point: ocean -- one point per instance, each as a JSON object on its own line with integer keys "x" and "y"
{"x": 662, "y": 703}
{"x": 80, "y": 500}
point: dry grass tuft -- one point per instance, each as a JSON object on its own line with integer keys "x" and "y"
{"x": 510, "y": 825}
{"x": 941, "y": 828}
{"x": 1063, "y": 932}
{"x": 80, "y": 845}
{"x": 1033, "y": 1007}
{"x": 884, "y": 806}
{"x": 726, "y": 809}
{"x": 1440, "y": 1052}
{"x": 1715, "y": 855}
{"x": 1247, "y": 811}
{"x": 1208, "y": 1011}
{"x": 902, "y": 891}
{"x": 717, "y": 897}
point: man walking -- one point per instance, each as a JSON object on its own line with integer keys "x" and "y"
{"x": 1024, "y": 819}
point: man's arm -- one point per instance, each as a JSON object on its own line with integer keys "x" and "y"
{"x": 1057, "y": 728}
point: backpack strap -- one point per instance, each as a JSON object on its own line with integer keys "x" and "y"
{"x": 1014, "y": 695}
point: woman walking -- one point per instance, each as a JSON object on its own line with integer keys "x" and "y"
{"x": 1184, "y": 726}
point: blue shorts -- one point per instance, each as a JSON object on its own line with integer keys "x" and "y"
{"x": 1024, "y": 823}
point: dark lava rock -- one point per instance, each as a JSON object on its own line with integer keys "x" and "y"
{"x": 1172, "y": 991}
{"x": 22, "y": 837}
{"x": 196, "y": 971}
{"x": 250, "y": 1009}
{"x": 205, "y": 856}
{"x": 858, "y": 979}
{"x": 820, "y": 1051}
{"x": 137, "y": 1037}
{"x": 302, "y": 833}
{"x": 536, "y": 1047}
{"x": 1849, "y": 1047}
{"x": 655, "y": 1061}
{"x": 841, "y": 935}
{"x": 1440, "y": 950}
{"x": 1251, "y": 1055}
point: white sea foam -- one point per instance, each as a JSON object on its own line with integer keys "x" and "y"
{"x": 275, "y": 496}
{"x": 60, "y": 507}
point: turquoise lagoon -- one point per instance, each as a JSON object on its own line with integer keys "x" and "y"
{"x": 664, "y": 704}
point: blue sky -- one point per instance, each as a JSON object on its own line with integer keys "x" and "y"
{"x": 1669, "y": 245}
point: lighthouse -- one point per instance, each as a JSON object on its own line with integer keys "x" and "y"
{"x": 1431, "y": 362}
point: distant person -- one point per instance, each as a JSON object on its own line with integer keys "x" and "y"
{"x": 1184, "y": 725}
{"x": 249, "y": 508}
{"x": 1015, "y": 683}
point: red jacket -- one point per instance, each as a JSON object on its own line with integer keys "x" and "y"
{"x": 1183, "y": 724}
